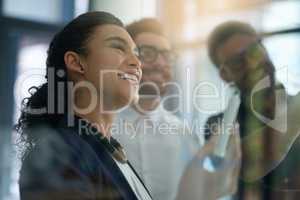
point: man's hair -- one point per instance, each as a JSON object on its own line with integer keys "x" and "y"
{"x": 223, "y": 32}
{"x": 150, "y": 25}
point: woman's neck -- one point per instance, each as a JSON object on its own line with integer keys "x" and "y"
{"x": 145, "y": 106}
{"x": 101, "y": 120}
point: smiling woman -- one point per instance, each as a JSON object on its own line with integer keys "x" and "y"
{"x": 92, "y": 70}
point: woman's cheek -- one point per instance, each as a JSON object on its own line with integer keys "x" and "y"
{"x": 112, "y": 61}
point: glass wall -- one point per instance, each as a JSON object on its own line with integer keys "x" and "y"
{"x": 30, "y": 25}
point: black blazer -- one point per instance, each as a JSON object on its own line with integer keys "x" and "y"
{"x": 66, "y": 165}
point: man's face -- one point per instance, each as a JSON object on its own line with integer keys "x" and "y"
{"x": 156, "y": 65}
{"x": 233, "y": 57}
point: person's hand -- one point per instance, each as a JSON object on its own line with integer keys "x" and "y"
{"x": 200, "y": 183}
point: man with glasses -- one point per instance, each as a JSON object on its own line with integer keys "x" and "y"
{"x": 156, "y": 141}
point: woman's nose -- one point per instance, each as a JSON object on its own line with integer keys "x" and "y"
{"x": 134, "y": 61}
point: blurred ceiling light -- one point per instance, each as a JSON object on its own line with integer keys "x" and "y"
{"x": 190, "y": 25}
{"x": 213, "y": 7}
{"x": 190, "y": 32}
{"x": 149, "y": 8}
{"x": 127, "y": 10}
{"x": 49, "y": 11}
{"x": 281, "y": 15}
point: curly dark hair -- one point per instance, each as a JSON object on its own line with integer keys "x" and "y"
{"x": 36, "y": 110}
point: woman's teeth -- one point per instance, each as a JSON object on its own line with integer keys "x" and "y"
{"x": 126, "y": 76}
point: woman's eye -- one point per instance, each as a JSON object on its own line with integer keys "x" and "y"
{"x": 119, "y": 47}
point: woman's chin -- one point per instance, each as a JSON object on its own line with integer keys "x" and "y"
{"x": 135, "y": 99}
{"x": 132, "y": 98}
{"x": 129, "y": 98}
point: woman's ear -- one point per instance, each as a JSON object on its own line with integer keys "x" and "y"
{"x": 73, "y": 64}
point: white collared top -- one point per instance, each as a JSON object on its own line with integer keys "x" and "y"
{"x": 159, "y": 146}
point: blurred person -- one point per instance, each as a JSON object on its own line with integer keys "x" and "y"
{"x": 158, "y": 143}
{"x": 92, "y": 68}
{"x": 237, "y": 51}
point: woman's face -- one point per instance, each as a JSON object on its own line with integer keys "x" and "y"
{"x": 112, "y": 66}
{"x": 235, "y": 71}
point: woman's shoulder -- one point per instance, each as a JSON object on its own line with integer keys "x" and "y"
{"x": 55, "y": 164}
{"x": 59, "y": 147}
{"x": 51, "y": 140}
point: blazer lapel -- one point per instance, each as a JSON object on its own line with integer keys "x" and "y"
{"x": 139, "y": 178}
{"x": 110, "y": 167}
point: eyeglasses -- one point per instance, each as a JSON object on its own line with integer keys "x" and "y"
{"x": 254, "y": 51}
{"x": 149, "y": 54}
